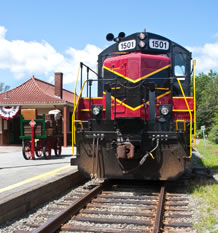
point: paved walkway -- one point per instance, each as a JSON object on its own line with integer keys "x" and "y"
{"x": 16, "y": 173}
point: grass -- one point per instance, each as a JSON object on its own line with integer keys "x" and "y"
{"x": 210, "y": 154}
{"x": 207, "y": 202}
{"x": 207, "y": 195}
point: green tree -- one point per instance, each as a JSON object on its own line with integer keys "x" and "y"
{"x": 4, "y": 87}
{"x": 207, "y": 100}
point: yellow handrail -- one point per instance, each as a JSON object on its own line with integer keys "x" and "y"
{"x": 73, "y": 118}
{"x": 76, "y": 86}
{"x": 81, "y": 123}
{"x": 190, "y": 116}
{"x": 194, "y": 88}
{"x": 74, "y": 108}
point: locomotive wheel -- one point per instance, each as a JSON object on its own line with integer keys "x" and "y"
{"x": 38, "y": 149}
{"x": 47, "y": 151}
{"x": 58, "y": 148}
{"x": 26, "y": 150}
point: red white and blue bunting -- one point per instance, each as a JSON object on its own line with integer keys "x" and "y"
{"x": 9, "y": 112}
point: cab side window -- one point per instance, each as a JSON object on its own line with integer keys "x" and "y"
{"x": 180, "y": 64}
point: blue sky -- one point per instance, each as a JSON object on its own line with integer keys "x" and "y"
{"x": 46, "y": 36}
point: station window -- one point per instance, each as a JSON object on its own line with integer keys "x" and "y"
{"x": 180, "y": 64}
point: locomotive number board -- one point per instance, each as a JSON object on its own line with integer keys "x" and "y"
{"x": 126, "y": 45}
{"x": 159, "y": 44}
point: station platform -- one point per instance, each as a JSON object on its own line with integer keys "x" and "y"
{"x": 16, "y": 173}
{"x": 25, "y": 180}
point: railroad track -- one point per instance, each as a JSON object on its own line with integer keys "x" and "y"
{"x": 109, "y": 207}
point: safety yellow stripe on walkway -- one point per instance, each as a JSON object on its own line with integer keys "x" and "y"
{"x": 40, "y": 177}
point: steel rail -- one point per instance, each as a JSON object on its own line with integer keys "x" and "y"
{"x": 55, "y": 222}
{"x": 159, "y": 215}
{"x": 91, "y": 204}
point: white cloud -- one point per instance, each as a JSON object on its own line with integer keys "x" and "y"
{"x": 3, "y": 31}
{"x": 40, "y": 58}
{"x": 206, "y": 57}
{"x": 25, "y": 59}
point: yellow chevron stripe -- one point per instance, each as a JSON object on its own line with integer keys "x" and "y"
{"x": 127, "y": 106}
{"x": 136, "y": 108}
{"x": 166, "y": 93}
{"x": 158, "y": 97}
{"x": 139, "y": 79}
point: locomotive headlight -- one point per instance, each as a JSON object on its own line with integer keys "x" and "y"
{"x": 96, "y": 110}
{"x": 142, "y": 36}
{"x": 141, "y": 44}
{"x": 164, "y": 110}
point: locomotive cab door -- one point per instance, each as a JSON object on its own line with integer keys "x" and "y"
{"x": 181, "y": 70}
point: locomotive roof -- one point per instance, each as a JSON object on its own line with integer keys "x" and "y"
{"x": 151, "y": 40}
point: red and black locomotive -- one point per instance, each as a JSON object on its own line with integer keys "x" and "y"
{"x": 140, "y": 125}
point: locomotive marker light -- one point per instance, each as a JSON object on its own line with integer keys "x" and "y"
{"x": 141, "y": 44}
{"x": 142, "y": 36}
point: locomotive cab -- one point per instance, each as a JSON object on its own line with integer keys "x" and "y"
{"x": 140, "y": 125}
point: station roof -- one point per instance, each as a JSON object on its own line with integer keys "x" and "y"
{"x": 35, "y": 92}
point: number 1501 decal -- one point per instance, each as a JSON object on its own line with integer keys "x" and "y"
{"x": 159, "y": 44}
{"x": 125, "y": 45}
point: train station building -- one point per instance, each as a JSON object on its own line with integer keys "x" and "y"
{"x": 41, "y": 96}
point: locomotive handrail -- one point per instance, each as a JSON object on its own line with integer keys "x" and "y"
{"x": 80, "y": 123}
{"x": 89, "y": 68}
{"x": 75, "y": 105}
{"x": 194, "y": 88}
{"x": 73, "y": 118}
{"x": 76, "y": 85}
{"x": 186, "y": 102}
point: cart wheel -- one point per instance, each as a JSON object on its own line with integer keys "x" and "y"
{"x": 38, "y": 149}
{"x": 47, "y": 151}
{"x": 58, "y": 148}
{"x": 26, "y": 149}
